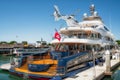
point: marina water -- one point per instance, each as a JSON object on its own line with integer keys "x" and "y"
{"x": 5, "y": 75}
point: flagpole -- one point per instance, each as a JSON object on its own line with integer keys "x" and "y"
{"x": 58, "y": 37}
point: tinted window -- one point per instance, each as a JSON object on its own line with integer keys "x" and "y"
{"x": 106, "y": 28}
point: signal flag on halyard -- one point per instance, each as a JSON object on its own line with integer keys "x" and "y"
{"x": 57, "y": 35}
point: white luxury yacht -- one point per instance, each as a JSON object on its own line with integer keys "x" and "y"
{"x": 90, "y": 33}
{"x": 72, "y": 52}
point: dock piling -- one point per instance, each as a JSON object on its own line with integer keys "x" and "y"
{"x": 108, "y": 63}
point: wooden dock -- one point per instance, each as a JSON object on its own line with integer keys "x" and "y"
{"x": 94, "y": 73}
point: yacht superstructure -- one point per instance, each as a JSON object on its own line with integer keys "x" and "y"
{"x": 87, "y": 34}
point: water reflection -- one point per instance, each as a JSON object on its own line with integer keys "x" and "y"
{"x": 116, "y": 75}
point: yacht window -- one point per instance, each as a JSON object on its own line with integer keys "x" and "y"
{"x": 70, "y": 36}
{"x": 106, "y": 28}
{"x": 94, "y": 26}
{"x": 99, "y": 36}
{"x": 88, "y": 47}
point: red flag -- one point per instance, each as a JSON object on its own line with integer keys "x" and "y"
{"x": 57, "y": 36}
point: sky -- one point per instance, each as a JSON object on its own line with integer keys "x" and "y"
{"x": 31, "y": 20}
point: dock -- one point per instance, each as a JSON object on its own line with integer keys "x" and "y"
{"x": 94, "y": 73}
{"x": 5, "y": 66}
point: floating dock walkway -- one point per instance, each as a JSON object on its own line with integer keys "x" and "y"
{"x": 94, "y": 73}
{"x": 5, "y": 66}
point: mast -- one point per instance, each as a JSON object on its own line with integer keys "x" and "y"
{"x": 93, "y": 15}
{"x": 92, "y": 9}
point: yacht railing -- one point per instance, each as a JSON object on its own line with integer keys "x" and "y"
{"x": 84, "y": 37}
{"x": 61, "y": 70}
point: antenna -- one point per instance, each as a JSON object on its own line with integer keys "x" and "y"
{"x": 92, "y": 7}
{"x": 110, "y": 25}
